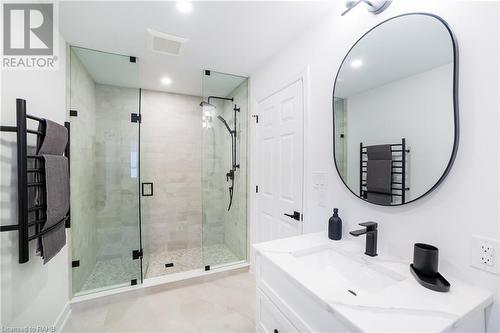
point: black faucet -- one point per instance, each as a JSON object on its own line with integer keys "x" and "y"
{"x": 371, "y": 237}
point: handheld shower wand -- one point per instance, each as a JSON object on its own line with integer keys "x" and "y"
{"x": 233, "y": 133}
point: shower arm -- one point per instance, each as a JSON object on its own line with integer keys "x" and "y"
{"x": 217, "y": 97}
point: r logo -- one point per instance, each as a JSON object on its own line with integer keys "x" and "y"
{"x": 28, "y": 29}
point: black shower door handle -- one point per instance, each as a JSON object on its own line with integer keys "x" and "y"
{"x": 147, "y": 189}
{"x": 295, "y": 216}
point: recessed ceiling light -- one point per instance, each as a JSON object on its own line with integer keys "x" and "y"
{"x": 166, "y": 81}
{"x": 184, "y": 6}
{"x": 356, "y": 63}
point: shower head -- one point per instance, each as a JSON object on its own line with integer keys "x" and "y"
{"x": 225, "y": 123}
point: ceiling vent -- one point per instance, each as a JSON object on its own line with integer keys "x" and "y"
{"x": 165, "y": 43}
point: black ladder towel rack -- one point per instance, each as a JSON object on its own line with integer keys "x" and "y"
{"x": 398, "y": 168}
{"x": 23, "y": 183}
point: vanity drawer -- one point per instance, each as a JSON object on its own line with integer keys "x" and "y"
{"x": 303, "y": 311}
{"x": 270, "y": 319}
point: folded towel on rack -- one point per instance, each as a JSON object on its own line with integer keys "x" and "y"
{"x": 55, "y": 140}
{"x": 379, "y": 198}
{"x": 379, "y": 152}
{"x": 57, "y": 202}
{"x": 379, "y": 176}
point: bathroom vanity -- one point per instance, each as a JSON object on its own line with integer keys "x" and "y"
{"x": 309, "y": 283}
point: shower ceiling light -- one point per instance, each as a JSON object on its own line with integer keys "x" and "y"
{"x": 184, "y": 6}
{"x": 166, "y": 81}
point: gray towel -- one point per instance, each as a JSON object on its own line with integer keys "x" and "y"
{"x": 379, "y": 176}
{"x": 379, "y": 198}
{"x": 53, "y": 242}
{"x": 55, "y": 139}
{"x": 57, "y": 199}
{"x": 379, "y": 152}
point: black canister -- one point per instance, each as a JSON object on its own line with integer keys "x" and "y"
{"x": 425, "y": 259}
{"x": 335, "y": 226}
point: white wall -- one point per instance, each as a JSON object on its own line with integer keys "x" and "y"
{"x": 418, "y": 108}
{"x": 31, "y": 293}
{"x": 466, "y": 203}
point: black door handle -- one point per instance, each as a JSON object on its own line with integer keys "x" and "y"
{"x": 295, "y": 216}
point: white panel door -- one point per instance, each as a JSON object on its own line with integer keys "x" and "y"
{"x": 281, "y": 163}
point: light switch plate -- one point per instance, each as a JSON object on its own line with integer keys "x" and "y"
{"x": 320, "y": 184}
{"x": 484, "y": 254}
{"x": 319, "y": 180}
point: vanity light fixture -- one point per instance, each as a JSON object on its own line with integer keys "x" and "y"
{"x": 356, "y": 63}
{"x": 184, "y": 6}
{"x": 374, "y": 6}
{"x": 166, "y": 81}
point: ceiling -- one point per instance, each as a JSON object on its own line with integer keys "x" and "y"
{"x": 397, "y": 49}
{"x": 228, "y": 37}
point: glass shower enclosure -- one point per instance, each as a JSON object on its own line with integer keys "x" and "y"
{"x": 158, "y": 180}
{"x": 224, "y": 168}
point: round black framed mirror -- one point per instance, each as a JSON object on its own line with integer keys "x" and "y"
{"x": 395, "y": 110}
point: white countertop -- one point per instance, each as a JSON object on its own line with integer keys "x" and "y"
{"x": 404, "y": 306}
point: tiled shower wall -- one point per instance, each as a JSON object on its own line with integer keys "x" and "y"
{"x": 83, "y": 173}
{"x": 171, "y": 160}
{"x": 117, "y": 208}
{"x": 235, "y": 226}
{"x": 219, "y": 224}
{"x": 215, "y": 199}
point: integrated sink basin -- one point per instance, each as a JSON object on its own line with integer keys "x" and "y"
{"x": 348, "y": 270}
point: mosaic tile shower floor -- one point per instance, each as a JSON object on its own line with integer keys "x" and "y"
{"x": 120, "y": 271}
{"x": 185, "y": 260}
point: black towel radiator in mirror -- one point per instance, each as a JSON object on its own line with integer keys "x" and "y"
{"x": 398, "y": 188}
{"x": 30, "y": 177}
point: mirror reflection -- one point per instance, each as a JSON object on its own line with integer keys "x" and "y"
{"x": 393, "y": 105}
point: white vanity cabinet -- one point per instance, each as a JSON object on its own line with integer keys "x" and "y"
{"x": 295, "y": 294}
{"x": 292, "y": 309}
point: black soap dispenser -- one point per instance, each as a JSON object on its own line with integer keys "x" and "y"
{"x": 335, "y": 226}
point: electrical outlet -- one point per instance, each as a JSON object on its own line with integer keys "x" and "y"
{"x": 484, "y": 252}
{"x": 487, "y": 254}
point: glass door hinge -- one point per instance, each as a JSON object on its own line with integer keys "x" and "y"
{"x": 137, "y": 254}
{"x": 135, "y": 117}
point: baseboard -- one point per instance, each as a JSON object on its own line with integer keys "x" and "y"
{"x": 62, "y": 318}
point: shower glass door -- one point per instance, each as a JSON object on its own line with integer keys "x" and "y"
{"x": 224, "y": 113}
{"x": 171, "y": 210}
{"x": 104, "y": 170}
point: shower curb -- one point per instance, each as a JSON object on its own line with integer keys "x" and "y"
{"x": 158, "y": 284}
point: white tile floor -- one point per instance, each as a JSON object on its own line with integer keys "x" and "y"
{"x": 226, "y": 304}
